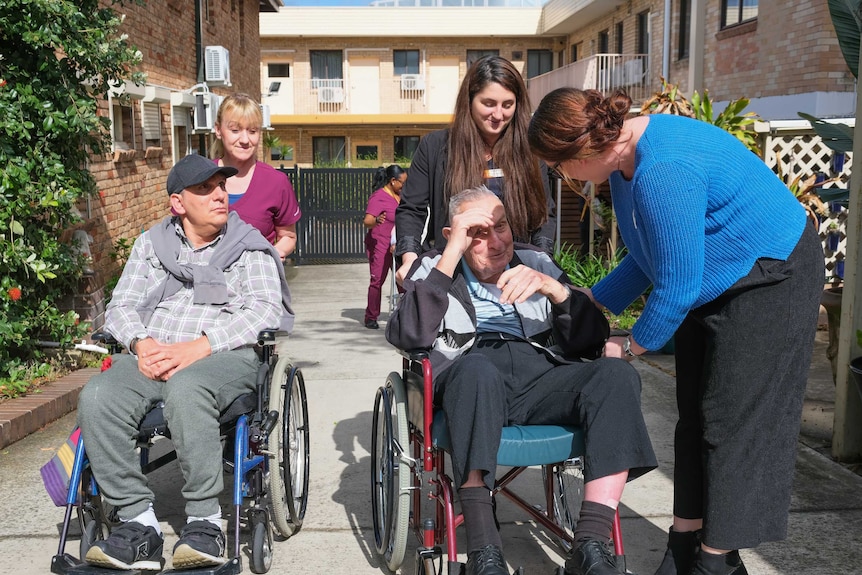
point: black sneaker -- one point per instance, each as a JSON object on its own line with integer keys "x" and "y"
{"x": 591, "y": 557}
{"x": 201, "y": 544}
{"x": 129, "y": 546}
{"x": 372, "y": 324}
{"x": 486, "y": 561}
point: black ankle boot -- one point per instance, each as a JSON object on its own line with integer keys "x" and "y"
{"x": 710, "y": 564}
{"x": 681, "y": 552}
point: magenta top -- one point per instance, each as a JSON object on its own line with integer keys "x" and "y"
{"x": 380, "y": 202}
{"x": 268, "y": 202}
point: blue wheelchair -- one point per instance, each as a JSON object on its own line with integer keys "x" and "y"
{"x": 408, "y": 448}
{"x": 266, "y": 448}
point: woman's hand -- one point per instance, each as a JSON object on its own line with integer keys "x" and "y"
{"x": 407, "y": 260}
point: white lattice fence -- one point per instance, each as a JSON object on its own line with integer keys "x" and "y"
{"x": 803, "y": 153}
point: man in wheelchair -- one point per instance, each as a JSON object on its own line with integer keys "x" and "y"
{"x": 506, "y": 334}
{"x": 197, "y": 289}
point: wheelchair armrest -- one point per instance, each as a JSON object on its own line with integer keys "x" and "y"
{"x": 414, "y": 354}
{"x": 105, "y": 338}
{"x": 268, "y": 336}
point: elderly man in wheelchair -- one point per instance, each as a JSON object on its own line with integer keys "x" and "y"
{"x": 507, "y": 335}
{"x": 195, "y": 293}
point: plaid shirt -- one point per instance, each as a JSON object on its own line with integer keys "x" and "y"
{"x": 254, "y": 292}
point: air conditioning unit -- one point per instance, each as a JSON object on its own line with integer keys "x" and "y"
{"x": 267, "y": 118}
{"x": 412, "y": 82}
{"x": 217, "y": 61}
{"x": 330, "y": 95}
{"x": 205, "y": 111}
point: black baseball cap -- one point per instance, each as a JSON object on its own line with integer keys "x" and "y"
{"x": 192, "y": 170}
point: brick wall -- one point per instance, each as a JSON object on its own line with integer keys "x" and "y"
{"x": 131, "y": 190}
{"x": 790, "y": 49}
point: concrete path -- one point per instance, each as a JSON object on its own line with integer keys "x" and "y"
{"x": 344, "y": 363}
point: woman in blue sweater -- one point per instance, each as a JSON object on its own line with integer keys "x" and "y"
{"x": 736, "y": 274}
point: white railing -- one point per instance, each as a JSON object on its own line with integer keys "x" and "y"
{"x": 602, "y": 72}
{"x": 400, "y": 95}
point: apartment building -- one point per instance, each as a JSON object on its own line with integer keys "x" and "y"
{"x": 361, "y": 86}
{"x": 347, "y": 85}
{"x": 193, "y": 51}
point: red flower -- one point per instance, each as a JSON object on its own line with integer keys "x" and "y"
{"x": 14, "y": 293}
{"x": 2, "y": 82}
{"x": 106, "y": 363}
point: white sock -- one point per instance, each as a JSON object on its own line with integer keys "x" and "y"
{"x": 148, "y": 519}
{"x": 215, "y": 519}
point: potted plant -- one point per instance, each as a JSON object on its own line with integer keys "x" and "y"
{"x": 271, "y": 146}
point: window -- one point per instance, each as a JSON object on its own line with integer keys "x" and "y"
{"x": 122, "y": 126}
{"x": 328, "y": 151}
{"x": 604, "y": 42}
{"x": 684, "y": 28}
{"x": 405, "y": 147}
{"x": 737, "y": 11}
{"x": 539, "y": 62}
{"x": 152, "y": 123}
{"x": 367, "y": 152}
{"x": 278, "y": 70}
{"x": 473, "y": 55}
{"x": 643, "y": 33}
{"x": 405, "y": 62}
{"x": 618, "y": 38}
{"x": 575, "y": 49}
{"x": 326, "y": 69}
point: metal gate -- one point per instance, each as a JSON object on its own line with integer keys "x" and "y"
{"x": 333, "y": 202}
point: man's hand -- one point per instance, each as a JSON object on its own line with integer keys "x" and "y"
{"x": 466, "y": 226}
{"x": 520, "y": 282}
{"x": 160, "y": 361}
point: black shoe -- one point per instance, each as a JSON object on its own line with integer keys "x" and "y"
{"x": 591, "y": 557}
{"x": 486, "y": 561}
{"x": 371, "y": 324}
{"x": 709, "y": 564}
{"x": 129, "y": 546}
{"x": 681, "y": 552}
{"x": 201, "y": 544}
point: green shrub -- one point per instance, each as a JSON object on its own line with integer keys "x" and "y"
{"x": 587, "y": 271}
{"x": 59, "y": 58}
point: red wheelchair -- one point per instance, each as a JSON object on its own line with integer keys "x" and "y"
{"x": 408, "y": 450}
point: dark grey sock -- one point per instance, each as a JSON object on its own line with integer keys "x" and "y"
{"x": 595, "y": 522}
{"x": 478, "y": 510}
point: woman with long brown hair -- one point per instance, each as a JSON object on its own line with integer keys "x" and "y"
{"x": 485, "y": 144}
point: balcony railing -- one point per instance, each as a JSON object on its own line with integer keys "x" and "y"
{"x": 405, "y": 94}
{"x": 602, "y": 72}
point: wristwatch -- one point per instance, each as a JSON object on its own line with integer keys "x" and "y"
{"x": 627, "y": 347}
{"x": 134, "y": 343}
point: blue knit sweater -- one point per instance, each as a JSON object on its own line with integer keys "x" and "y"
{"x": 698, "y": 212}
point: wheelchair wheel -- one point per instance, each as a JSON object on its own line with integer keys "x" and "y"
{"x": 390, "y": 475}
{"x": 289, "y": 463}
{"x": 261, "y": 547}
{"x": 568, "y": 486}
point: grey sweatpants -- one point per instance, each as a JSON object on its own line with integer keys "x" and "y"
{"x": 113, "y": 403}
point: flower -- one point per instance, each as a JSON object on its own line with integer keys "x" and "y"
{"x": 14, "y": 293}
{"x": 106, "y": 363}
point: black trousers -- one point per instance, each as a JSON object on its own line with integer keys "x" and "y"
{"x": 742, "y": 366}
{"x": 500, "y": 383}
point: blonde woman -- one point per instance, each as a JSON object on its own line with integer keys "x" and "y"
{"x": 260, "y": 194}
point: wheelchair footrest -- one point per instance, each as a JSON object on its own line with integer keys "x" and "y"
{"x": 65, "y": 564}
{"x": 232, "y": 567}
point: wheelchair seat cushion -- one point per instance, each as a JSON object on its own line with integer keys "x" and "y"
{"x": 523, "y": 445}
{"x": 154, "y": 422}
